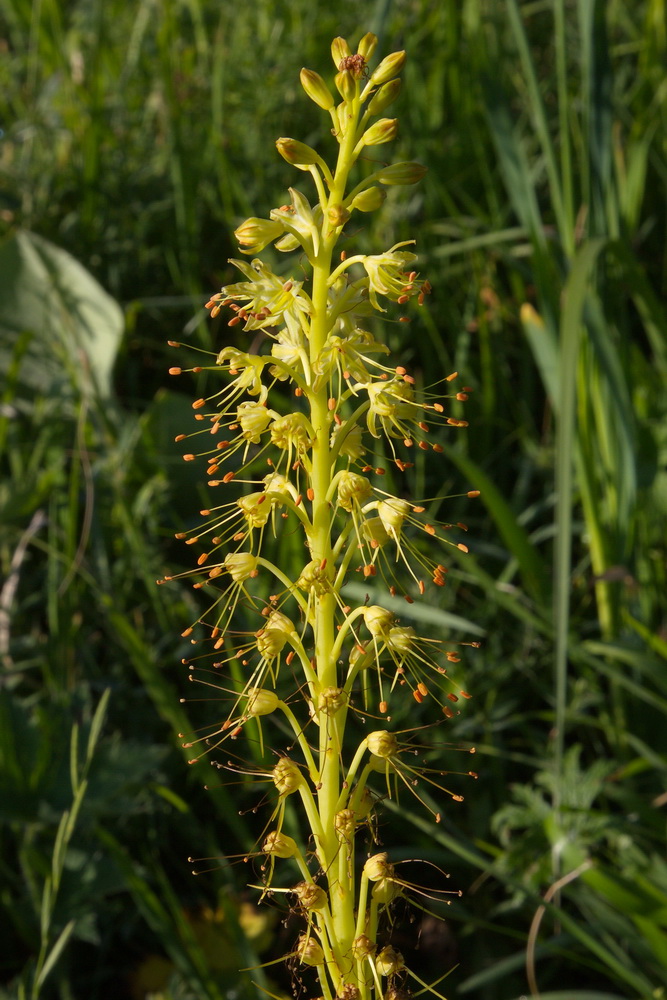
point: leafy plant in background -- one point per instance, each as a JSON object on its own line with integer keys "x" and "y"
{"x": 315, "y": 662}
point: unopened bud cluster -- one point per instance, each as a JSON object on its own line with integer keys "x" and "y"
{"x": 312, "y": 662}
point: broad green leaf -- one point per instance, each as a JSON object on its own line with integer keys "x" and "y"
{"x": 73, "y": 327}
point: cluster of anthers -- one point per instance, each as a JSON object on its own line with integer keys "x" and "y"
{"x": 313, "y": 463}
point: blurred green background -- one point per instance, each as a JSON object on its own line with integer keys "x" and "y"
{"x": 135, "y": 136}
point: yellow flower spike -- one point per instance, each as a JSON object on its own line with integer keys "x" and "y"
{"x": 308, "y": 470}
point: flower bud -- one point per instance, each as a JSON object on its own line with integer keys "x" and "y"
{"x": 286, "y": 776}
{"x": 346, "y": 84}
{"x": 337, "y": 215}
{"x": 383, "y": 97}
{"x": 309, "y": 951}
{"x": 311, "y": 896}
{"x": 401, "y": 173}
{"x": 378, "y": 620}
{"x": 316, "y": 89}
{"x": 241, "y": 566}
{"x": 382, "y": 744}
{"x": 369, "y": 200}
{"x": 389, "y": 961}
{"x": 367, "y": 46}
{"x": 297, "y": 153}
{"x": 261, "y": 701}
{"x": 280, "y": 845}
{"x": 384, "y": 130}
{"x": 339, "y": 50}
{"x": 255, "y": 234}
{"x": 390, "y": 67}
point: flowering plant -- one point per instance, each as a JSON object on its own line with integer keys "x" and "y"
{"x": 321, "y": 475}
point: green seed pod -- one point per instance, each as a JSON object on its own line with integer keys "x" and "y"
{"x": 316, "y": 89}
{"x": 401, "y": 173}
{"x": 345, "y": 824}
{"x": 369, "y": 200}
{"x": 337, "y": 215}
{"x": 311, "y": 896}
{"x": 261, "y": 701}
{"x": 385, "y": 890}
{"x": 363, "y": 947}
{"x": 280, "y": 845}
{"x": 384, "y": 130}
{"x": 309, "y": 951}
{"x": 389, "y": 961}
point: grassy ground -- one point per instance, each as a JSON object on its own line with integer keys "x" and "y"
{"x": 134, "y": 139}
